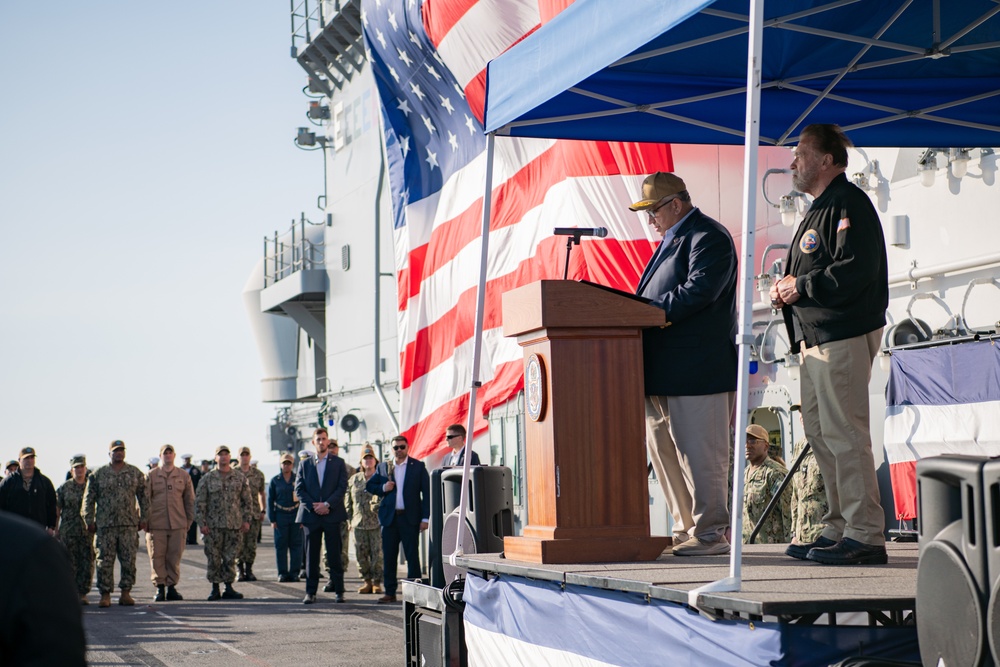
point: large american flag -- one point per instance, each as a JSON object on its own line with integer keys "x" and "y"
{"x": 429, "y": 59}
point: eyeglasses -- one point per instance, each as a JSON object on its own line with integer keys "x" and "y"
{"x": 399, "y": 447}
{"x": 449, "y": 437}
{"x": 652, "y": 212}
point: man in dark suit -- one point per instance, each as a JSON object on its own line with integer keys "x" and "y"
{"x": 320, "y": 485}
{"x": 402, "y": 515}
{"x": 454, "y": 437}
{"x": 195, "y": 474}
{"x": 690, "y": 363}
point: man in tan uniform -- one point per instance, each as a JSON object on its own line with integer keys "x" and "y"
{"x": 170, "y": 495}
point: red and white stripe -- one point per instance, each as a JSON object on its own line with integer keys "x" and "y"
{"x": 538, "y": 185}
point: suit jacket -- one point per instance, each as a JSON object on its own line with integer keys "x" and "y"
{"x": 461, "y": 458}
{"x": 416, "y": 492}
{"x": 309, "y": 491}
{"x": 694, "y": 281}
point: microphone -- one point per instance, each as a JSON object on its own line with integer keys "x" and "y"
{"x": 599, "y": 232}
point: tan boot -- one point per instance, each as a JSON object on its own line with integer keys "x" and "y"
{"x": 105, "y": 600}
{"x": 126, "y": 598}
{"x": 377, "y": 588}
{"x": 367, "y": 588}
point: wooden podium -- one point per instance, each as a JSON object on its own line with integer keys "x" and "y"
{"x": 588, "y": 498}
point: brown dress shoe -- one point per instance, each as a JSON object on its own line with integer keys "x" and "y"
{"x": 126, "y": 598}
{"x": 367, "y": 588}
{"x": 105, "y": 600}
{"x": 387, "y": 599}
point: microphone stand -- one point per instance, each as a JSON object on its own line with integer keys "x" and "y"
{"x": 571, "y": 240}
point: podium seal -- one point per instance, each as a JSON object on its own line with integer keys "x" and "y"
{"x": 534, "y": 387}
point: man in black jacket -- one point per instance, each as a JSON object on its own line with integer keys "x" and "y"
{"x": 30, "y": 493}
{"x": 689, "y": 363}
{"x": 404, "y": 512}
{"x": 833, "y": 300}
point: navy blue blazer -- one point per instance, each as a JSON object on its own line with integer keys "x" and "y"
{"x": 416, "y": 492}
{"x": 308, "y": 489}
{"x": 461, "y": 458}
{"x": 694, "y": 281}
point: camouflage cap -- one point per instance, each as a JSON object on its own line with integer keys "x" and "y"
{"x": 221, "y": 448}
{"x": 116, "y": 444}
{"x": 78, "y": 460}
{"x": 206, "y": 462}
{"x": 25, "y": 453}
{"x": 244, "y": 450}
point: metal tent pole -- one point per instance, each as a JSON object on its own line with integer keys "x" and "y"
{"x": 744, "y": 338}
{"x": 477, "y": 348}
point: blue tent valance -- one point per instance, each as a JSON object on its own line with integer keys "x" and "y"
{"x": 890, "y": 72}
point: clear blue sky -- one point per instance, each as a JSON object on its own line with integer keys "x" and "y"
{"x": 145, "y": 150}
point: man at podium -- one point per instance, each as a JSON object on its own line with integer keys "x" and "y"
{"x": 690, "y": 363}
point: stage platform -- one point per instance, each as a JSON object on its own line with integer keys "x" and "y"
{"x": 775, "y": 586}
{"x": 788, "y": 613}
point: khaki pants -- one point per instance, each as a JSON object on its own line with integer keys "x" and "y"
{"x": 836, "y": 418}
{"x": 688, "y": 438}
{"x": 165, "y": 550}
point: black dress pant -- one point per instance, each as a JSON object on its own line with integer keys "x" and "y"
{"x": 314, "y": 536}
{"x": 400, "y": 532}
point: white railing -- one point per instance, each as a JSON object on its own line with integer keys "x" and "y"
{"x": 284, "y": 254}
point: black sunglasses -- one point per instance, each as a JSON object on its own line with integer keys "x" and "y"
{"x": 449, "y": 437}
{"x": 399, "y": 447}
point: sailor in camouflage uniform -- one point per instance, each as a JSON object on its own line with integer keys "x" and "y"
{"x": 345, "y": 526}
{"x": 809, "y": 504}
{"x": 763, "y": 477}
{"x": 115, "y": 507}
{"x": 223, "y": 510}
{"x": 247, "y": 553}
{"x": 72, "y": 530}
{"x": 362, "y": 512}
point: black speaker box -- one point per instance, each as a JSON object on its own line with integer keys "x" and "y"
{"x": 991, "y": 519}
{"x": 489, "y": 514}
{"x": 953, "y": 580}
{"x": 435, "y": 634}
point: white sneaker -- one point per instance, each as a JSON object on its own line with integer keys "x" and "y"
{"x": 680, "y": 538}
{"x": 696, "y": 546}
